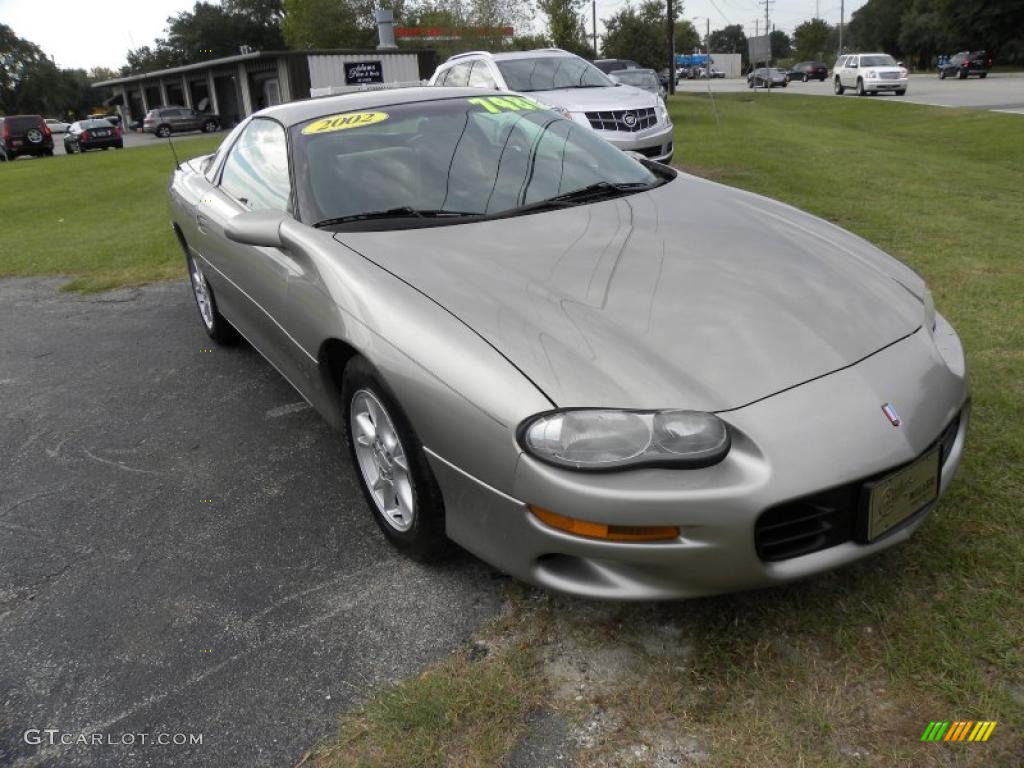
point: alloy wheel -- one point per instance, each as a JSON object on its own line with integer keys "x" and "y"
{"x": 382, "y": 460}
{"x": 201, "y": 290}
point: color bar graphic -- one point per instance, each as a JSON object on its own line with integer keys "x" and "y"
{"x": 958, "y": 730}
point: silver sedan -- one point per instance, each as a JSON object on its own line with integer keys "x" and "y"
{"x": 595, "y": 373}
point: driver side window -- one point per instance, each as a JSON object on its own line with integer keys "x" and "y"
{"x": 256, "y": 170}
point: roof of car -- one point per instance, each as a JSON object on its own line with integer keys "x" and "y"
{"x": 300, "y": 111}
{"x": 537, "y": 53}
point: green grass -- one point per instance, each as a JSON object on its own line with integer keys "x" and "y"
{"x": 99, "y": 218}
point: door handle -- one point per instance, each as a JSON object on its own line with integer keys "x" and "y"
{"x": 202, "y": 223}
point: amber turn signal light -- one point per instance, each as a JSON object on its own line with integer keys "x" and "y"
{"x": 602, "y": 531}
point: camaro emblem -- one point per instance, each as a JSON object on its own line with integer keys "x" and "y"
{"x": 629, "y": 119}
{"x": 891, "y": 415}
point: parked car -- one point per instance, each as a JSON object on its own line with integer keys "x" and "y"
{"x": 808, "y": 70}
{"x": 702, "y": 73}
{"x": 767, "y": 77}
{"x": 591, "y": 371}
{"x": 869, "y": 73}
{"x": 163, "y": 121}
{"x": 663, "y": 77}
{"x": 92, "y": 134}
{"x": 614, "y": 65}
{"x": 965, "y": 64}
{"x": 644, "y": 79}
{"x": 630, "y": 119}
{"x": 56, "y": 126}
{"x": 25, "y": 135}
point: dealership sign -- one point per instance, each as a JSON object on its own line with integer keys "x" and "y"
{"x": 363, "y": 72}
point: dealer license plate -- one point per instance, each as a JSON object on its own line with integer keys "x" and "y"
{"x": 900, "y": 495}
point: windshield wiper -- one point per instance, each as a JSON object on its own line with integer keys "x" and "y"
{"x": 402, "y": 212}
{"x": 601, "y": 190}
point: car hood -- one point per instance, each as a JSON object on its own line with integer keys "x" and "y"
{"x": 613, "y": 97}
{"x": 691, "y": 295}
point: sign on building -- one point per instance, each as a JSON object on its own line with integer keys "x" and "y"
{"x": 363, "y": 72}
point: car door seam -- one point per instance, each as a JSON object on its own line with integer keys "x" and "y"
{"x": 261, "y": 308}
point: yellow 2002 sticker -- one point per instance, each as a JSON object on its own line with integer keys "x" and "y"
{"x": 496, "y": 104}
{"x": 344, "y": 122}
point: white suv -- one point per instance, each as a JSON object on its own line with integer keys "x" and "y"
{"x": 627, "y": 117}
{"x": 869, "y": 73}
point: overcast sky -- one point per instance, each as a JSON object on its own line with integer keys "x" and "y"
{"x": 101, "y": 37}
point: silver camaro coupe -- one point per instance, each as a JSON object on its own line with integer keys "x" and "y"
{"x": 595, "y": 373}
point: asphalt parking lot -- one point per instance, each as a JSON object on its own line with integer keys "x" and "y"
{"x": 1000, "y": 91}
{"x": 183, "y": 548}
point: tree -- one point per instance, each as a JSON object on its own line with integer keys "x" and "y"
{"x": 638, "y": 34}
{"x": 687, "y": 38}
{"x": 18, "y": 59}
{"x": 731, "y": 39}
{"x": 810, "y": 39}
{"x": 782, "y": 47}
{"x": 566, "y": 27}
{"x": 328, "y": 23}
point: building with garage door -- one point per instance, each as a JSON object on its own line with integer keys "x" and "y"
{"x": 236, "y": 86}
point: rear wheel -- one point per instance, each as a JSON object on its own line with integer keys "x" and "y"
{"x": 839, "y": 89}
{"x": 218, "y": 329}
{"x": 163, "y": 131}
{"x": 961, "y": 75}
{"x": 209, "y": 126}
{"x": 942, "y": 74}
{"x": 391, "y": 466}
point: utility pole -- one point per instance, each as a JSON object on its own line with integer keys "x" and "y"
{"x": 767, "y": 27}
{"x": 594, "y": 11}
{"x": 842, "y": 22}
{"x": 670, "y": 18}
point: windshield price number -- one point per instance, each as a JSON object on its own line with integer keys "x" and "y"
{"x": 496, "y": 104}
{"x": 343, "y": 122}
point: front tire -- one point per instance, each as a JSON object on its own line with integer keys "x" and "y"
{"x": 860, "y": 88}
{"x": 209, "y": 126}
{"x": 163, "y": 131}
{"x": 214, "y": 323}
{"x": 391, "y": 466}
{"x": 942, "y": 74}
{"x": 839, "y": 89}
{"x": 902, "y": 92}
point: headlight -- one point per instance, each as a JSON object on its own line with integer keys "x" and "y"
{"x": 871, "y": 74}
{"x": 603, "y": 439}
{"x": 662, "y": 112}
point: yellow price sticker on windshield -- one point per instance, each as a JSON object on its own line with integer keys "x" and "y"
{"x": 344, "y": 122}
{"x": 496, "y": 104}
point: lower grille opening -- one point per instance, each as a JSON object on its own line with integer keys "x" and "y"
{"x": 825, "y": 519}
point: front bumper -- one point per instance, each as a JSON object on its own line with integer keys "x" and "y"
{"x": 805, "y": 444}
{"x": 654, "y": 143}
{"x": 885, "y": 85}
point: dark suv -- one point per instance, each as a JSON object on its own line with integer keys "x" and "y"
{"x": 965, "y": 64}
{"x": 25, "y": 135}
{"x": 163, "y": 121}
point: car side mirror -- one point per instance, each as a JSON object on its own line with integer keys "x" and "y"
{"x": 260, "y": 228}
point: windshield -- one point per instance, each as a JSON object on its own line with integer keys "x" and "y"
{"x": 551, "y": 72}
{"x": 877, "y": 61}
{"x": 638, "y": 78}
{"x": 474, "y": 156}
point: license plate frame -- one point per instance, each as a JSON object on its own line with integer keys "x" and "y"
{"x": 890, "y": 501}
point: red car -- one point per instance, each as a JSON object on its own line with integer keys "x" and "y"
{"x": 25, "y": 135}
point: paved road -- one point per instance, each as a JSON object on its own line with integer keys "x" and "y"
{"x": 999, "y": 91}
{"x": 182, "y": 547}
